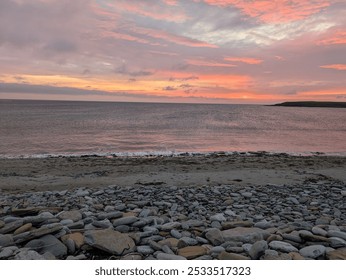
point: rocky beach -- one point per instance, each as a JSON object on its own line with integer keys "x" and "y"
{"x": 241, "y": 207}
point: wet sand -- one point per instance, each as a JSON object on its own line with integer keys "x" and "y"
{"x": 61, "y": 173}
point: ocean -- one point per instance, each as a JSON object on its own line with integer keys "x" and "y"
{"x": 68, "y": 128}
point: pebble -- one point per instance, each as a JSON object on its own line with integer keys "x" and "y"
{"x": 282, "y": 246}
{"x": 192, "y": 252}
{"x": 200, "y": 222}
{"x": 145, "y": 250}
{"x": 6, "y": 240}
{"x": 313, "y": 251}
{"x": 258, "y": 249}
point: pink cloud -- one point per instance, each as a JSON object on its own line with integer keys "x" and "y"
{"x": 177, "y": 39}
{"x": 341, "y": 67}
{"x": 154, "y": 9}
{"x": 275, "y": 11}
{"x": 247, "y": 60}
{"x": 338, "y": 37}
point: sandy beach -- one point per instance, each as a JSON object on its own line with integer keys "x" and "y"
{"x": 18, "y": 175}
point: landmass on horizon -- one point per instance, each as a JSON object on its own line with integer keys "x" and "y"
{"x": 328, "y": 104}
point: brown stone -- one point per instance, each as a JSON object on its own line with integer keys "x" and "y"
{"x": 23, "y": 228}
{"x": 338, "y": 254}
{"x": 192, "y": 252}
{"x": 171, "y": 242}
{"x": 273, "y": 237}
{"x": 110, "y": 241}
{"x": 231, "y": 256}
{"x": 296, "y": 256}
{"x": 77, "y": 237}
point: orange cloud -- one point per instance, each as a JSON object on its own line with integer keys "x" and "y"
{"x": 341, "y": 67}
{"x": 337, "y": 38}
{"x": 327, "y": 93}
{"x": 247, "y": 60}
{"x": 275, "y": 11}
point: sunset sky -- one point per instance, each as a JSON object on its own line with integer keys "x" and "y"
{"x": 205, "y": 51}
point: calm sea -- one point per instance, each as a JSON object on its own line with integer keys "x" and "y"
{"x": 44, "y": 128}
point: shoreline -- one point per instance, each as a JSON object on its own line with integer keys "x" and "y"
{"x": 215, "y": 207}
{"x": 258, "y": 168}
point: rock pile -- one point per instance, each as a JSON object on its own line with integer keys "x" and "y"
{"x": 153, "y": 222}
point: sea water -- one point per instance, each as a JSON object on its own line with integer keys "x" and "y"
{"x": 54, "y": 128}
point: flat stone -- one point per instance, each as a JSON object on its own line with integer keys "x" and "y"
{"x": 192, "y": 252}
{"x": 102, "y": 224}
{"x": 245, "y": 235}
{"x": 282, "y": 246}
{"x": 28, "y": 255}
{"x": 6, "y": 253}
{"x": 170, "y": 226}
{"x": 319, "y": 231}
{"x": 234, "y": 224}
{"x": 38, "y": 219}
{"x": 12, "y": 226}
{"x": 23, "y": 228}
{"x": 192, "y": 223}
{"x": 2, "y": 224}
{"x": 145, "y": 250}
{"x": 110, "y": 215}
{"x": 336, "y": 242}
{"x": 6, "y": 240}
{"x": 338, "y": 254}
{"x": 164, "y": 256}
{"x": 48, "y": 243}
{"x": 176, "y": 234}
{"x": 335, "y": 233}
{"x": 215, "y": 237}
{"x": 74, "y": 215}
{"x": 110, "y": 241}
{"x": 125, "y": 221}
{"x": 258, "y": 249}
{"x": 188, "y": 241}
{"x": 36, "y": 233}
{"x": 76, "y": 225}
{"x": 231, "y": 256}
{"x": 246, "y": 194}
{"x": 306, "y": 235}
{"x": 218, "y": 217}
{"x": 313, "y": 251}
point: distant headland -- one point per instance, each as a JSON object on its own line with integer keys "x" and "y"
{"x": 327, "y": 104}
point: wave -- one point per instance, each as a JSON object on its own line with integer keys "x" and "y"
{"x": 147, "y": 154}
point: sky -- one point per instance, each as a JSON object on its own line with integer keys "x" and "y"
{"x": 203, "y": 51}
